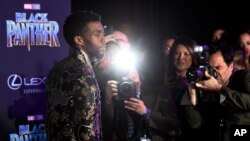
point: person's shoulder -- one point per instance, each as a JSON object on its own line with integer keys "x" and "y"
{"x": 242, "y": 74}
{"x": 242, "y": 71}
{"x": 61, "y": 64}
{"x": 66, "y": 65}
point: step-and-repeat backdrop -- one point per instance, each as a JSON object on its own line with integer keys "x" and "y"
{"x": 31, "y": 42}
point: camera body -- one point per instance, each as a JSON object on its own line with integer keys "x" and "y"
{"x": 194, "y": 75}
{"x": 126, "y": 89}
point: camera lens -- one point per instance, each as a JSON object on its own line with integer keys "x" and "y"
{"x": 126, "y": 90}
{"x": 126, "y": 87}
{"x": 193, "y": 75}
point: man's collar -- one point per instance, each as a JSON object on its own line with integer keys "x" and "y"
{"x": 86, "y": 57}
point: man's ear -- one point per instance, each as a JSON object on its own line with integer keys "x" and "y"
{"x": 79, "y": 40}
{"x": 231, "y": 66}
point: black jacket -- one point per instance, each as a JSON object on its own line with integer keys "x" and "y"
{"x": 231, "y": 106}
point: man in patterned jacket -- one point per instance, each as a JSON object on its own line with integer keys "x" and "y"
{"x": 73, "y": 112}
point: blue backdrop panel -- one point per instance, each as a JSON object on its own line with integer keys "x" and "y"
{"x": 31, "y": 42}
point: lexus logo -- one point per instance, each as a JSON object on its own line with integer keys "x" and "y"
{"x": 15, "y": 81}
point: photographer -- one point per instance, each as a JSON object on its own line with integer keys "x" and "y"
{"x": 225, "y": 100}
{"x": 182, "y": 57}
{"x": 123, "y": 113}
{"x": 128, "y": 114}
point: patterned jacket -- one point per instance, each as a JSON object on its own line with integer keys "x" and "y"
{"x": 73, "y": 112}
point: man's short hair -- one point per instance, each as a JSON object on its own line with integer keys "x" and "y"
{"x": 75, "y": 24}
{"x": 226, "y": 49}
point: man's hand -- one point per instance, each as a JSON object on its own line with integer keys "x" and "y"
{"x": 210, "y": 84}
{"x": 109, "y": 38}
{"x": 135, "y": 105}
{"x": 111, "y": 90}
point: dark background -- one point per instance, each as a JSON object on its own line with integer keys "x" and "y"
{"x": 159, "y": 18}
{"x": 154, "y": 20}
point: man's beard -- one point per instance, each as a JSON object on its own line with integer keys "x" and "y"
{"x": 98, "y": 55}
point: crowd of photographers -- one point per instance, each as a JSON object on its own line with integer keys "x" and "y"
{"x": 203, "y": 96}
{"x": 206, "y": 89}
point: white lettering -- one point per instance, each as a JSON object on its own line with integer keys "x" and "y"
{"x": 240, "y": 132}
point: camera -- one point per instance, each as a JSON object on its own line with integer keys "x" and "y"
{"x": 193, "y": 74}
{"x": 126, "y": 89}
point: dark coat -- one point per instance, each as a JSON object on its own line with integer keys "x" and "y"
{"x": 231, "y": 106}
{"x": 74, "y": 110}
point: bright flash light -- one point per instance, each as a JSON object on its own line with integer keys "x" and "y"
{"x": 198, "y": 49}
{"x": 124, "y": 60}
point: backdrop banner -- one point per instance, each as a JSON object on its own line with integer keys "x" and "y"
{"x": 31, "y": 42}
